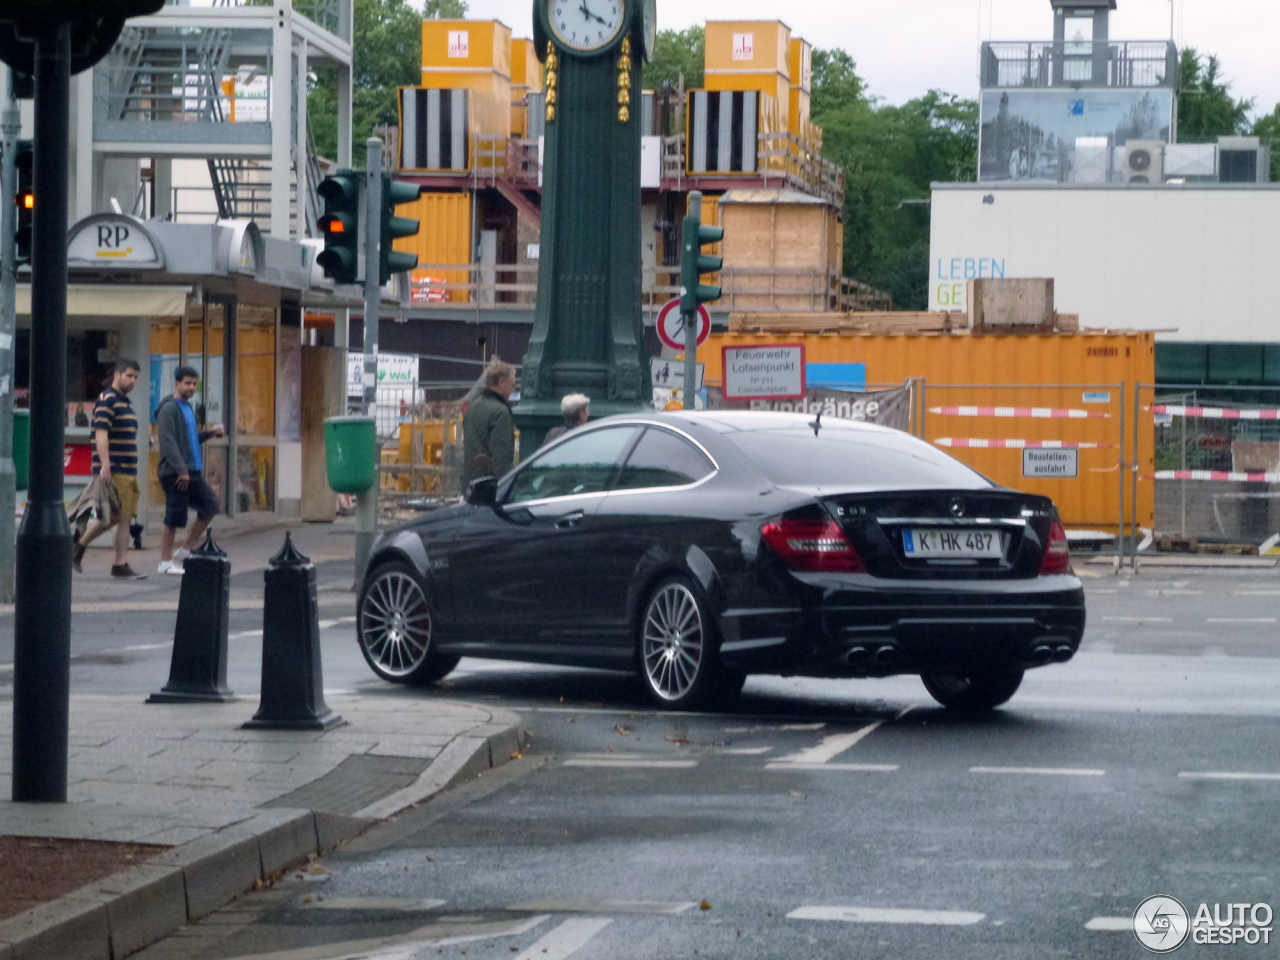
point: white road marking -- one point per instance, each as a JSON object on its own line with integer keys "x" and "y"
{"x": 863, "y": 767}
{"x": 592, "y": 905}
{"x": 1047, "y": 771}
{"x": 902, "y": 713}
{"x": 831, "y": 746}
{"x": 803, "y": 726}
{"x": 1229, "y": 776}
{"x": 1256, "y": 593}
{"x": 1138, "y": 619}
{"x": 6, "y": 666}
{"x": 406, "y": 946}
{"x": 171, "y": 606}
{"x": 1116, "y": 924}
{"x": 747, "y": 751}
{"x": 950, "y": 918}
{"x": 1171, "y": 593}
{"x": 612, "y": 762}
{"x": 566, "y": 939}
{"x": 244, "y": 633}
{"x": 369, "y": 903}
{"x": 1099, "y": 590}
{"x": 1240, "y": 620}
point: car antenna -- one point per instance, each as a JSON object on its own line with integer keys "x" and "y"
{"x": 816, "y": 423}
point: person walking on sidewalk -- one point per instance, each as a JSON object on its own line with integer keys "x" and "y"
{"x": 488, "y": 430}
{"x": 180, "y": 470}
{"x": 115, "y": 464}
{"x": 576, "y": 410}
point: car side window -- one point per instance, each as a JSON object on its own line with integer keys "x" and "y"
{"x": 662, "y": 459}
{"x": 584, "y": 463}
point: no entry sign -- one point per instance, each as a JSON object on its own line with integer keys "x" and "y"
{"x": 671, "y": 327}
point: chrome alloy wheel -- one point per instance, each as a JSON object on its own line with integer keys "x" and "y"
{"x": 395, "y": 623}
{"x": 672, "y": 641}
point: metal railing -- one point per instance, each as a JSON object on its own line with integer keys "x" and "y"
{"x": 1101, "y": 63}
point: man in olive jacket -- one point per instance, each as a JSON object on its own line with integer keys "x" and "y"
{"x": 488, "y": 430}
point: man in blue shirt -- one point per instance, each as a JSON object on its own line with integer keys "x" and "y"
{"x": 180, "y": 470}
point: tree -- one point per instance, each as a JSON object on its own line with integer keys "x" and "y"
{"x": 387, "y": 45}
{"x": 1206, "y": 109}
{"x": 890, "y": 154}
{"x": 1268, "y": 128}
{"x": 677, "y": 53}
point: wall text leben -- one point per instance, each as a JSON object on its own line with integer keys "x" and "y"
{"x": 952, "y": 275}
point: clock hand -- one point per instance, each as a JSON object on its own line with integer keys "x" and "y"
{"x": 591, "y": 15}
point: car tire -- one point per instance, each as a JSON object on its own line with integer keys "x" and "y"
{"x": 977, "y": 692}
{"x": 394, "y": 627}
{"x": 678, "y": 647}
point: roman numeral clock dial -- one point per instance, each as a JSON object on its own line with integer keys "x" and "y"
{"x": 585, "y": 25}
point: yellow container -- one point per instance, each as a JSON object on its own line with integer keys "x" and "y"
{"x": 801, "y": 64}
{"x": 750, "y": 55}
{"x": 443, "y": 239}
{"x": 1057, "y": 371}
{"x": 526, "y": 78}
{"x": 464, "y": 46}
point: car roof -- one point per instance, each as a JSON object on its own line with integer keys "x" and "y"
{"x": 732, "y": 421}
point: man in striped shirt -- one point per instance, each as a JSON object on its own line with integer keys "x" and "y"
{"x": 115, "y": 462}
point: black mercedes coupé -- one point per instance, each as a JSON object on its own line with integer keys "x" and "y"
{"x": 695, "y": 549}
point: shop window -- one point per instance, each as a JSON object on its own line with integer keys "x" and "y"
{"x": 255, "y": 479}
{"x": 1238, "y": 364}
{"x": 1183, "y": 363}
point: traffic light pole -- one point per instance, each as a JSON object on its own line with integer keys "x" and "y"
{"x": 367, "y": 502}
{"x": 10, "y": 131}
{"x": 42, "y": 616}
{"x": 690, "y": 388}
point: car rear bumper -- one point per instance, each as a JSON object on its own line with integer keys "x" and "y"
{"x": 874, "y": 627}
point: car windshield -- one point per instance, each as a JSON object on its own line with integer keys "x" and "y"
{"x": 845, "y": 458}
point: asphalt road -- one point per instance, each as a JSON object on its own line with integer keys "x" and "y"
{"x": 834, "y": 819}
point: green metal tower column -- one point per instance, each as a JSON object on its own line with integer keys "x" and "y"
{"x": 588, "y": 335}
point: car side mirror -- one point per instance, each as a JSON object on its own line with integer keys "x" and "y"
{"x": 483, "y": 492}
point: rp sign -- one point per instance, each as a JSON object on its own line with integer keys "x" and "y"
{"x": 671, "y": 326}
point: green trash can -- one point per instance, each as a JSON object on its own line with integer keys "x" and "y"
{"x": 351, "y": 453}
{"x": 22, "y": 446}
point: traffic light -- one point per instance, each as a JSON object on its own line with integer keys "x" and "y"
{"x": 25, "y": 199}
{"x": 340, "y": 259}
{"x": 394, "y": 193}
{"x": 693, "y": 262}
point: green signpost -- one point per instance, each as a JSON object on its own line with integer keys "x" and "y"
{"x": 588, "y": 334}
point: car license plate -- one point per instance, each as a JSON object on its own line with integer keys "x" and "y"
{"x": 953, "y": 544}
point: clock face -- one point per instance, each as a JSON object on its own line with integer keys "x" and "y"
{"x": 585, "y": 25}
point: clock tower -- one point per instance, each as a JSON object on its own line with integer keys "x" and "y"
{"x": 588, "y": 335}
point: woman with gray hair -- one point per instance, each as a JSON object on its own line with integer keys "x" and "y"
{"x": 576, "y": 409}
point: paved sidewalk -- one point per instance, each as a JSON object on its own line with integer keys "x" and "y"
{"x": 235, "y": 806}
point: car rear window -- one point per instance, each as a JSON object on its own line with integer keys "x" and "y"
{"x": 839, "y": 457}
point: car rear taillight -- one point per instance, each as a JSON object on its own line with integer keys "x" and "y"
{"x": 1057, "y": 558}
{"x": 812, "y": 546}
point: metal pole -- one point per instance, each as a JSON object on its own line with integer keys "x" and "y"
{"x": 1120, "y": 471}
{"x": 10, "y": 131}
{"x": 690, "y": 387}
{"x": 367, "y": 502}
{"x": 1134, "y": 467}
{"x": 42, "y": 617}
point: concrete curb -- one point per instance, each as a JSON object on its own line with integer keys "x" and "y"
{"x": 121, "y": 914}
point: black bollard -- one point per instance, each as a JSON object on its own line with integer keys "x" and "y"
{"x": 292, "y": 685}
{"x": 198, "y": 671}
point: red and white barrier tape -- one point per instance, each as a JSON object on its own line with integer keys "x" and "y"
{"x": 975, "y": 443}
{"x": 1040, "y": 413}
{"x": 1229, "y": 475}
{"x": 1217, "y": 413}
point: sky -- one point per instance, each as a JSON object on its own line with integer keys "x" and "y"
{"x": 905, "y": 47}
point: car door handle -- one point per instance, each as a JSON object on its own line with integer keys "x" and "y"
{"x": 570, "y": 520}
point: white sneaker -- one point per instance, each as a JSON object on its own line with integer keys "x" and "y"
{"x": 171, "y": 566}
{"x": 180, "y": 554}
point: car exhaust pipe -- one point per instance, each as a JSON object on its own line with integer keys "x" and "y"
{"x": 1062, "y": 653}
{"x": 857, "y": 656}
{"x": 1041, "y": 655}
{"x": 886, "y": 656}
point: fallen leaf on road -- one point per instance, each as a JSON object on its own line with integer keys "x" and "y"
{"x": 317, "y": 868}
{"x": 516, "y": 755}
{"x": 704, "y": 905}
{"x": 679, "y": 740}
{"x": 620, "y": 729}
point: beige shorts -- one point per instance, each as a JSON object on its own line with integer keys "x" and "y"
{"x": 127, "y": 487}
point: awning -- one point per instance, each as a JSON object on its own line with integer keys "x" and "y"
{"x": 115, "y": 300}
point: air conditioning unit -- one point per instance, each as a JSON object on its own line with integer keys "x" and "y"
{"x": 1092, "y": 161}
{"x": 1144, "y": 161}
{"x": 1191, "y": 161}
{"x": 1243, "y": 160}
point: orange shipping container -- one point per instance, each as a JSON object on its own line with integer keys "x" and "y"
{"x": 443, "y": 239}
{"x": 1082, "y": 372}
